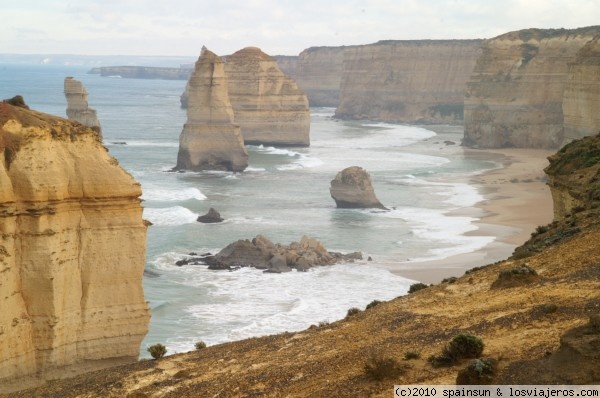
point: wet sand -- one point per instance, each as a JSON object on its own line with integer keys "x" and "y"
{"x": 516, "y": 201}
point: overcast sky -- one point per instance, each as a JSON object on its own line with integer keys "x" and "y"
{"x": 284, "y": 27}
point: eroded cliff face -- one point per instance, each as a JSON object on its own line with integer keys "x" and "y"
{"x": 581, "y": 99}
{"x": 319, "y": 73}
{"x": 72, "y": 252}
{"x": 210, "y": 139}
{"x": 574, "y": 177}
{"x": 413, "y": 81}
{"x": 514, "y": 97}
{"x": 77, "y": 105}
{"x": 267, "y": 104}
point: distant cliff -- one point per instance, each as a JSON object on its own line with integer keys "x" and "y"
{"x": 514, "y": 97}
{"x": 581, "y": 98}
{"x": 77, "y": 105}
{"x": 143, "y": 72}
{"x": 72, "y": 252}
{"x": 413, "y": 81}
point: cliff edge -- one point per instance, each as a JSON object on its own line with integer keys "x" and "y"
{"x": 72, "y": 252}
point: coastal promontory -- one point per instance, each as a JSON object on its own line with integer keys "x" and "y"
{"x": 72, "y": 252}
{"x": 210, "y": 139}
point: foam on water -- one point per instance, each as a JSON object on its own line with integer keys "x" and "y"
{"x": 277, "y": 302}
{"x": 170, "y": 195}
{"x": 169, "y": 216}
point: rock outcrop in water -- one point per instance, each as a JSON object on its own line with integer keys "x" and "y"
{"x": 210, "y": 139}
{"x": 581, "y": 98}
{"x": 77, "y": 105}
{"x": 72, "y": 252}
{"x": 352, "y": 189}
{"x": 412, "y": 81}
{"x": 261, "y": 253}
{"x": 515, "y": 95}
{"x": 267, "y": 104}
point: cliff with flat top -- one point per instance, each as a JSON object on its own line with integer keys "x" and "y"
{"x": 407, "y": 81}
{"x": 523, "y": 82}
{"x": 72, "y": 252}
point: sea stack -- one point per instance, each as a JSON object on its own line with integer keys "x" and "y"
{"x": 72, "y": 252}
{"x": 352, "y": 189}
{"x": 77, "y": 105}
{"x": 210, "y": 139}
{"x": 267, "y": 104}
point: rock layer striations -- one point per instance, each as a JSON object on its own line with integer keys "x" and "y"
{"x": 514, "y": 97}
{"x": 210, "y": 139}
{"x": 72, "y": 252}
{"x": 267, "y": 104}
{"x": 412, "y": 81}
{"x": 77, "y": 104}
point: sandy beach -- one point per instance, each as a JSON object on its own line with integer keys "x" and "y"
{"x": 517, "y": 200}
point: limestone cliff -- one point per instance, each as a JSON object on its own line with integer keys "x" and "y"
{"x": 581, "y": 99}
{"x": 77, "y": 105}
{"x": 72, "y": 252}
{"x": 319, "y": 73}
{"x": 514, "y": 97}
{"x": 210, "y": 139}
{"x": 267, "y": 104}
{"x": 413, "y": 81}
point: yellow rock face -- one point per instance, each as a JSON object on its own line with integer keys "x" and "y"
{"x": 514, "y": 97}
{"x": 72, "y": 252}
{"x": 267, "y": 104}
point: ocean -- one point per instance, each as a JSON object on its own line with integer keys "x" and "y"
{"x": 283, "y": 195}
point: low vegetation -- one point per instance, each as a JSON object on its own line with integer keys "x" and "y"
{"x": 157, "y": 351}
{"x": 462, "y": 346}
{"x": 380, "y": 368}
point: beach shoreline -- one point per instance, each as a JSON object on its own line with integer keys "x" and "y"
{"x": 516, "y": 200}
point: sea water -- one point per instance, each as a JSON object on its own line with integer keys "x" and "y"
{"x": 283, "y": 195}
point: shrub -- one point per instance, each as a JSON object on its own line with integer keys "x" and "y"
{"x": 352, "y": 311}
{"x": 412, "y": 355}
{"x": 157, "y": 350}
{"x": 415, "y": 287}
{"x": 463, "y": 345}
{"x": 200, "y": 345}
{"x": 373, "y": 304}
{"x": 515, "y": 276}
{"x": 382, "y": 368}
{"x": 479, "y": 371}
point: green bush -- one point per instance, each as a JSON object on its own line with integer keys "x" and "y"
{"x": 412, "y": 355}
{"x": 373, "y": 304}
{"x": 200, "y": 345}
{"x": 463, "y": 345}
{"x": 479, "y": 371}
{"x": 157, "y": 350}
{"x": 415, "y": 287}
{"x": 352, "y": 311}
{"x": 381, "y": 368}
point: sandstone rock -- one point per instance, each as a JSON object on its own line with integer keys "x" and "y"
{"x": 409, "y": 81}
{"x": 72, "y": 252}
{"x": 261, "y": 253}
{"x": 514, "y": 97}
{"x": 581, "y": 98}
{"x": 352, "y": 189}
{"x": 319, "y": 73}
{"x": 210, "y": 139}
{"x": 212, "y": 216}
{"x": 77, "y": 105}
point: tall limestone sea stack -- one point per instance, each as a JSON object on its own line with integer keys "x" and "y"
{"x": 515, "y": 95}
{"x": 210, "y": 139}
{"x": 72, "y": 252}
{"x": 267, "y": 104}
{"x": 77, "y": 105}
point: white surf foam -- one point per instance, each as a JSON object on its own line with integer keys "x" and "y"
{"x": 172, "y": 195}
{"x": 169, "y": 216}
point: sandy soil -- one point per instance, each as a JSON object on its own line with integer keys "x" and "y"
{"x": 517, "y": 200}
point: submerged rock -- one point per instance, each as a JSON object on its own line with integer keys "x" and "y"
{"x": 261, "y": 253}
{"x": 212, "y": 216}
{"x": 352, "y": 189}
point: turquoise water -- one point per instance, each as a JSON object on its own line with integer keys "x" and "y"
{"x": 283, "y": 195}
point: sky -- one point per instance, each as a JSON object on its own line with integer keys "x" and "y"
{"x": 284, "y": 27}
